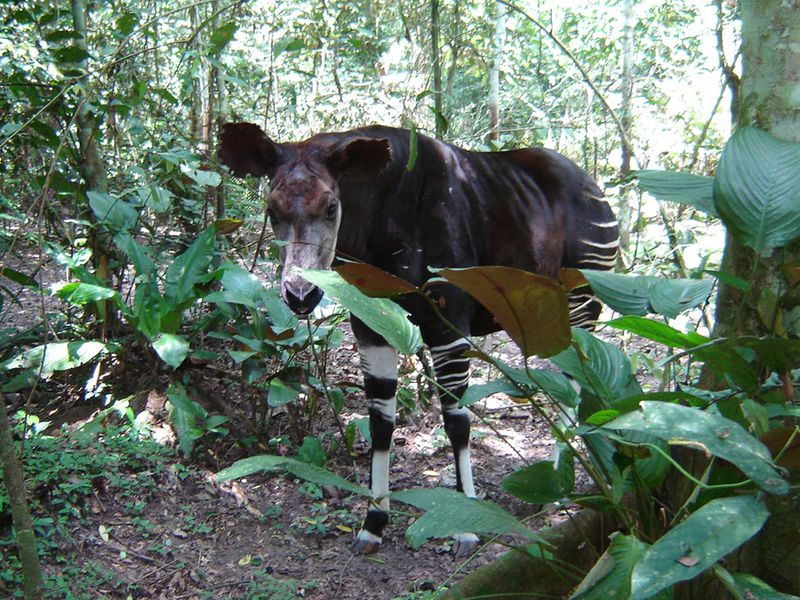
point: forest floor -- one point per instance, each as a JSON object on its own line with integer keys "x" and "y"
{"x": 169, "y": 530}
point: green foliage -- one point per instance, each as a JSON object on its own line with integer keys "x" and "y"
{"x": 190, "y": 419}
{"x": 755, "y": 189}
{"x": 706, "y": 536}
{"x": 62, "y": 470}
{"x": 381, "y": 315}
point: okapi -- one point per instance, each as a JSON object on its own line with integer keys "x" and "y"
{"x": 351, "y": 194}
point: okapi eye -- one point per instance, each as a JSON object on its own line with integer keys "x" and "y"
{"x": 333, "y": 210}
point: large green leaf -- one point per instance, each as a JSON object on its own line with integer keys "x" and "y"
{"x": 672, "y": 186}
{"x": 756, "y": 191}
{"x": 640, "y": 294}
{"x": 750, "y": 587}
{"x": 114, "y": 212}
{"x": 78, "y": 294}
{"x": 184, "y": 414}
{"x": 379, "y": 314}
{"x": 721, "y": 358}
{"x": 171, "y": 348}
{"x": 188, "y": 268}
{"x": 598, "y": 366}
{"x": 711, "y": 433}
{"x": 542, "y": 482}
{"x": 532, "y": 309}
{"x": 707, "y": 535}
{"x": 448, "y": 512}
{"x": 271, "y": 464}
{"x": 610, "y": 578}
{"x": 58, "y": 356}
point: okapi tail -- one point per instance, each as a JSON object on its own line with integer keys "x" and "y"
{"x": 592, "y": 243}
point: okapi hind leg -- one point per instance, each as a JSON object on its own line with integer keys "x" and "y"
{"x": 379, "y": 367}
{"x": 451, "y": 369}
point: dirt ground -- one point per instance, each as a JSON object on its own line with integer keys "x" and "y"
{"x": 247, "y": 538}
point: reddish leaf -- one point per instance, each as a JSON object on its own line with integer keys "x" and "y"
{"x": 373, "y": 281}
{"x": 226, "y": 226}
{"x": 572, "y": 278}
{"x": 531, "y": 308}
{"x": 791, "y": 271}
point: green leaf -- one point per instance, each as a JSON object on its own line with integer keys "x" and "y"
{"x": 538, "y": 483}
{"x": 756, "y": 191}
{"x": 222, "y": 36}
{"x": 155, "y": 197}
{"x": 139, "y": 255}
{"x": 706, "y": 536}
{"x": 71, "y": 54}
{"x": 201, "y": 176}
{"x": 171, "y": 348}
{"x": 20, "y": 278}
{"x": 480, "y": 391}
{"x": 279, "y": 393}
{"x": 311, "y": 451}
{"x": 708, "y": 432}
{"x": 599, "y": 367}
{"x": 78, "y": 294}
{"x": 184, "y": 415}
{"x": 448, "y": 512}
{"x": 379, "y": 314}
{"x": 672, "y": 186}
{"x": 638, "y": 295}
{"x": 750, "y": 587}
{"x": 610, "y": 577}
{"x": 58, "y": 356}
{"x": 187, "y": 269}
{"x": 126, "y": 22}
{"x": 413, "y": 143}
{"x": 272, "y": 464}
{"x": 721, "y": 358}
{"x": 116, "y": 213}
{"x": 532, "y": 309}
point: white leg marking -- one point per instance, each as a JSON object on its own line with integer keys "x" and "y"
{"x": 465, "y": 470}
{"x": 380, "y": 479}
{"x": 379, "y": 361}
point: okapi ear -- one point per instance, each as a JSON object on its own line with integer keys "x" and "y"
{"x": 359, "y": 156}
{"x": 246, "y": 150}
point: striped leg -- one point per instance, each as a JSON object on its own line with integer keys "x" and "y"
{"x": 451, "y": 369}
{"x": 379, "y": 366}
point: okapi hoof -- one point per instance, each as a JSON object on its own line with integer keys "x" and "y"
{"x": 464, "y": 544}
{"x": 366, "y": 543}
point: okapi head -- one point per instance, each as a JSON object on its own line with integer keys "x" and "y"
{"x": 304, "y": 204}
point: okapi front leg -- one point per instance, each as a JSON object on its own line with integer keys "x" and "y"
{"x": 451, "y": 369}
{"x": 379, "y": 366}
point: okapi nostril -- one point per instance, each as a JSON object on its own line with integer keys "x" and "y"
{"x": 302, "y": 302}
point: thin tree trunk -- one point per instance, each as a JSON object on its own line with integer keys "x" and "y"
{"x": 91, "y": 166}
{"x": 498, "y": 46}
{"x": 90, "y": 163}
{"x": 437, "y": 70}
{"x": 624, "y": 212}
{"x": 23, "y": 524}
{"x": 771, "y": 55}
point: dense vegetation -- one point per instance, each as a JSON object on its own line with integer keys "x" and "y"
{"x": 130, "y": 261}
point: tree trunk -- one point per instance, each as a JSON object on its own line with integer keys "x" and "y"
{"x": 771, "y": 56}
{"x": 23, "y": 525}
{"x": 91, "y": 165}
{"x": 577, "y": 545}
{"x": 498, "y": 44}
{"x": 437, "y": 70}
{"x": 626, "y": 84}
